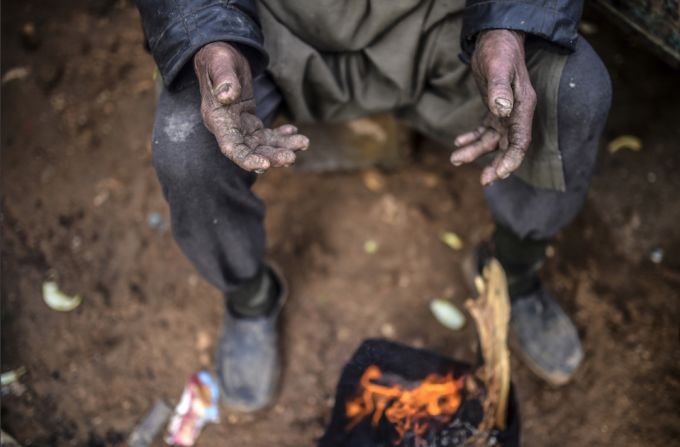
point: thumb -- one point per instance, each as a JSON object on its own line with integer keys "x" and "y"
{"x": 224, "y": 81}
{"x": 500, "y": 98}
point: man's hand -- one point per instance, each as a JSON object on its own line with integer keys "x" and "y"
{"x": 500, "y": 70}
{"x": 228, "y": 110}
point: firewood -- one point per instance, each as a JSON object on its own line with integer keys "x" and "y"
{"x": 491, "y": 313}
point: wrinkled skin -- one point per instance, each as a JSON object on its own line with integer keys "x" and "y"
{"x": 228, "y": 110}
{"x": 499, "y": 67}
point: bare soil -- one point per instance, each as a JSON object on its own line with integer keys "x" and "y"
{"x": 78, "y": 190}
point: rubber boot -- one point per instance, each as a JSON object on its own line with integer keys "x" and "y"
{"x": 248, "y": 357}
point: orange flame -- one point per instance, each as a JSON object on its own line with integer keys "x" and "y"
{"x": 436, "y": 398}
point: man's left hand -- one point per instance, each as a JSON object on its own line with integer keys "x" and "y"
{"x": 500, "y": 70}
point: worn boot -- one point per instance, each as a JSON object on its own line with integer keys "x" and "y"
{"x": 540, "y": 331}
{"x": 248, "y": 359}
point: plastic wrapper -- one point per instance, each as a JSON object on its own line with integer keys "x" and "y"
{"x": 197, "y": 407}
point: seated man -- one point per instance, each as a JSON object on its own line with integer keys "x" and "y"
{"x": 514, "y": 75}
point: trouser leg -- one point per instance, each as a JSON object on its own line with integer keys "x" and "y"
{"x": 217, "y": 220}
{"x": 529, "y": 213}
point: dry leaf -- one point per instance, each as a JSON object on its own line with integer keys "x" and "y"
{"x": 452, "y": 240}
{"x": 447, "y": 314}
{"x": 57, "y": 300}
{"x": 370, "y": 246}
{"x": 630, "y": 142}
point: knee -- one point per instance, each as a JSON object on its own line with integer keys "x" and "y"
{"x": 186, "y": 157}
{"x": 585, "y": 91}
{"x": 176, "y": 170}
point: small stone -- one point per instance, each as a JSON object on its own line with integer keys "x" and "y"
{"x": 373, "y": 180}
{"x": 58, "y": 102}
{"x": 656, "y": 255}
{"x": 550, "y": 251}
{"x": 387, "y": 330}
{"x": 155, "y": 221}
{"x": 342, "y": 334}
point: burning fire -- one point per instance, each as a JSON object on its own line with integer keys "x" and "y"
{"x": 409, "y": 407}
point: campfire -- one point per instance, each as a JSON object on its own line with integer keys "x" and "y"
{"x": 393, "y": 395}
{"x": 409, "y": 407}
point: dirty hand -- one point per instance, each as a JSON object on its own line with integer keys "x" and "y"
{"x": 228, "y": 110}
{"x": 500, "y": 70}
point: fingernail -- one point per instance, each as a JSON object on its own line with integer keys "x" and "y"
{"x": 223, "y": 92}
{"x": 456, "y": 163}
{"x": 259, "y": 171}
{"x": 503, "y": 174}
{"x": 503, "y": 103}
{"x": 503, "y": 107}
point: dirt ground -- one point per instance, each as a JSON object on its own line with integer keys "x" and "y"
{"x": 78, "y": 192}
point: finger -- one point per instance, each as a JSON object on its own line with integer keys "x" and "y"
{"x": 467, "y": 154}
{"x": 500, "y": 97}
{"x": 294, "y": 142}
{"x": 286, "y": 129}
{"x": 224, "y": 82}
{"x": 489, "y": 174}
{"x": 469, "y": 137}
{"x": 255, "y": 163}
{"x": 519, "y": 135}
{"x": 278, "y": 157}
{"x": 509, "y": 162}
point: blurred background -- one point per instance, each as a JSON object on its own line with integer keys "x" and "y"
{"x": 362, "y": 248}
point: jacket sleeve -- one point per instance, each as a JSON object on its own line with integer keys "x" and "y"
{"x": 555, "y": 21}
{"x": 176, "y": 29}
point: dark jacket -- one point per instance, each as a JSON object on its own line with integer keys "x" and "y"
{"x": 176, "y": 29}
{"x": 554, "y": 21}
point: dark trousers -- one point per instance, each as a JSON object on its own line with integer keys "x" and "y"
{"x": 218, "y": 221}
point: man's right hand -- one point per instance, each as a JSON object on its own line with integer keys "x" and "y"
{"x": 228, "y": 110}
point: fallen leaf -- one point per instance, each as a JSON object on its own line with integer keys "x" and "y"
{"x": 452, "y": 240}
{"x": 15, "y": 74}
{"x": 387, "y": 330}
{"x": 12, "y": 376}
{"x": 447, "y": 314}
{"x": 370, "y": 246}
{"x": 630, "y": 142}
{"x": 588, "y": 28}
{"x": 57, "y": 300}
